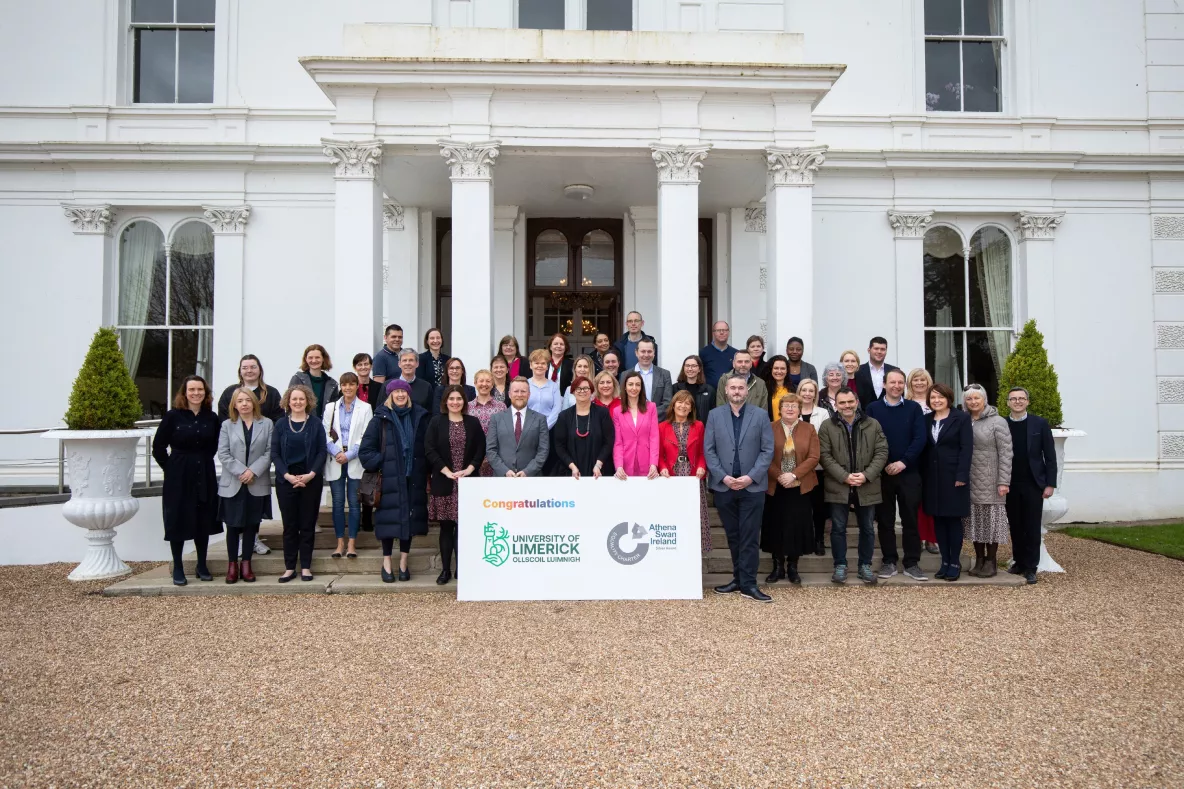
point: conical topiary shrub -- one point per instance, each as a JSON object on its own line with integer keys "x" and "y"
{"x": 1028, "y": 366}
{"x": 104, "y": 396}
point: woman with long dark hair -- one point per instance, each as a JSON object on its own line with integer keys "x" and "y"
{"x": 692, "y": 379}
{"x": 315, "y": 365}
{"x": 775, "y": 374}
{"x": 945, "y": 476}
{"x": 635, "y": 448}
{"x": 433, "y": 361}
{"x": 250, "y": 375}
{"x": 455, "y": 448}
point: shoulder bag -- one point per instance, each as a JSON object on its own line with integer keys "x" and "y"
{"x": 370, "y": 486}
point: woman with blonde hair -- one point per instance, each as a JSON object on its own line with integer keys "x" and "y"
{"x": 607, "y": 392}
{"x": 485, "y": 405}
{"x": 850, "y": 361}
{"x": 299, "y": 448}
{"x": 544, "y": 393}
{"x": 583, "y": 366}
{"x": 916, "y": 388}
{"x": 814, "y": 414}
{"x": 244, "y": 487}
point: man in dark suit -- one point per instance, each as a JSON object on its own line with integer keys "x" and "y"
{"x": 518, "y": 440}
{"x": 658, "y": 387}
{"x": 422, "y": 390}
{"x": 1033, "y": 479}
{"x": 869, "y": 378}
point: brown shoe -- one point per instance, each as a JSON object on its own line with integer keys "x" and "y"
{"x": 232, "y": 573}
{"x": 246, "y": 573}
{"x": 990, "y": 569}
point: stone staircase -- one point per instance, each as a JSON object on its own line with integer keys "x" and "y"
{"x": 361, "y": 575}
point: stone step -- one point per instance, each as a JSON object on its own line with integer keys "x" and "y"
{"x": 823, "y": 580}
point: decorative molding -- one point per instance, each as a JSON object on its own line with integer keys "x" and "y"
{"x": 386, "y": 279}
{"x": 764, "y": 277}
{"x": 1169, "y": 280}
{"x": 227, "y": 221}
{"x": 1171, "y": 445}
{"x": 1167, "y": 226}
{"x": 470, "y": 161}
{"x": 794, "y": 166}
{"x": 678, "y": 164}
{"x": 1030, "y": 225}
{"x": 754, "y": 219}
{"x": 1169, "y": 335}
{"x": 764, "y": 332}
{"x": 90, "y": 220}
{"x": 1171, "y": 391}
{"x": 910, "y": 225}
{"x": 392, "y": 215}
{"x": 353, "y": 159}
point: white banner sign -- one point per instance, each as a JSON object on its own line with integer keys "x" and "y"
{"x": 549, "y": 538}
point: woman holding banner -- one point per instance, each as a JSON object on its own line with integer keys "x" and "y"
{"x": 455, "y": 449}
{"x": 583, "y": 437}
{"x": 680, "y": 451}
{"x": 635, "y": 448}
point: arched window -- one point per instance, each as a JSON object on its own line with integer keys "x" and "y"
{"x": 598, "y": 260}
{"x": 166, "y": 308}
{"x": 551, "y": 259}
{"x": 968, "y": 309}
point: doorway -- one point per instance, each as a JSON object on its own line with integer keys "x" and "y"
{"x": 574, "y": 272}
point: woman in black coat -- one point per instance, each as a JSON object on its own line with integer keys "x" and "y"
{"x": 582, "y": 439}
{"x": 394, "y": 444}
{"x": 691, "y": 379}
{"x": 455, "y": 449}
{"x": 184, "y": 447}
{"x": 945, "y": 476}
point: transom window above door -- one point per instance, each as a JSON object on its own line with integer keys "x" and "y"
{"x": 575, "y": 14}
{"x": 963, "y": 56}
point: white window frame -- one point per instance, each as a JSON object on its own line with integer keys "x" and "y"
{"x": 575, "y": 15}
{"x": 130, "y": 43}
{"x": 1003, "y": 62}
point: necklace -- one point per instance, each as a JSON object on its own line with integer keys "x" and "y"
{"x": 303, "y": 425}
{"x": 587, "y": 425}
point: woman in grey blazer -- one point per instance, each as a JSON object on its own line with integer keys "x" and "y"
{"x": 244, "y": 488}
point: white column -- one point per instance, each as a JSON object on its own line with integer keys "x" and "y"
{"x": 909, "y": 228}
{"x": 789, "y": 238}
{"x": 677, "y": 327}
{"x": 93, "y": 224}
{"x": 472, "y": 248}
{"x": 357, "y": 246}
{"x": 229, "y": 225}
{"x": 1038, "y": 271}
{"x": 505, "y": 293}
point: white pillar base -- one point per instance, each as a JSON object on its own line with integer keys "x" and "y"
{"x": 101, "y": 560}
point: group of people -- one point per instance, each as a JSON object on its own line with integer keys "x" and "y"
{"x": 781, "y": 450}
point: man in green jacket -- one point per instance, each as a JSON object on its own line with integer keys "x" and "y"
{"x": 854, "y": 452}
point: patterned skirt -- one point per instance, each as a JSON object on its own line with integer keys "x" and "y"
{"x": 987, "y": 523}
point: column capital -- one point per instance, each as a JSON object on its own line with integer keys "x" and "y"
{"x": 1032, "y": 225}
{"x": 90, "y": 220}
{"x": 392, "y": 215}
{"x": 755, "y": 219}
{"x": 470, "y": 161}
{"x": 230, "y": 220}
{"x": 908, "y": 224}
{"x": 794, "y": 166}
{"x": 353, "y": 159}
{"x": 678, "y": 164}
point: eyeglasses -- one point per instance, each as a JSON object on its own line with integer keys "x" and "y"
{"x": 583, "y": 390}
{"x": 1019, "y": 399}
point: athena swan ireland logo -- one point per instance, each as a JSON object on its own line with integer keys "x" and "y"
{"x": 639, "y": 540}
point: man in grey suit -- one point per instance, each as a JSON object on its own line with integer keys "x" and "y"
{"x": 518, "y": 441}
{"x": 738, "y": 445}
{"x": 658, "y": 386}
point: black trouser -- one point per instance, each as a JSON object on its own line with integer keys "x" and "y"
{"x": 388, "y": 546}
{"x": 447, "y": 543}
{"x": 740, "y": 512}
{"x": 247, "y": 533}
{"x": 298, "y": 509}
{"x": 905, "y": 489}
{"x": 820, "y": 508}
{"x": 1025, "y": 511}
{"x": 367, "y": 518}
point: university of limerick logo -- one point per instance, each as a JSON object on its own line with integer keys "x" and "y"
{"x": 639, "y": 537}
{"x": 497, "y": 545}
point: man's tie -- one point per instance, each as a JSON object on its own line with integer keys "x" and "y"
{"x": 517, "y": 427}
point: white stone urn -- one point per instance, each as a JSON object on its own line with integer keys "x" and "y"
{"x": 102, "y": 466}
{"x": 1056, "y": 506}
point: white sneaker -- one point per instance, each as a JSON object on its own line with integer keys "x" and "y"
{"x": 261, "y": 547}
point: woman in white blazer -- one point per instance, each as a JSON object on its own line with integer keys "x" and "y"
{"x": 345, "y": 423}
{"x": 244, "y": 487}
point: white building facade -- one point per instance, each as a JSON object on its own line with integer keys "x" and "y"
{"x": 220, "y": 177}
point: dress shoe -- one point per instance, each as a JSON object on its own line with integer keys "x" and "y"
{"x": 777, "y": 573}
{"x": 443, "y": 578}
{"x": 728, "y": 588}
{"x": 232, "y": 572}
{"x": 755, "y": 594}
{"x": 941, "y": 573}
{"x": 404, "y": 575}
{"x": 387, "y": 577}
{"x": 1016, "y": 569}
{"x": 820, "y": 548}
{"x": 791, "y": 572}
{"x": 285, "y": 578}
{"x": 954, "y": 571}
{"x": 179, "y": 576}
{"x": 202, "y": 573}
{"x": 1030, "y": 577}
{"x": 245, "y": 572}
{"x": 306, "y": 576}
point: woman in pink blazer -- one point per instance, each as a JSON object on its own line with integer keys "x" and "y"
{"x": 635, "y": 449}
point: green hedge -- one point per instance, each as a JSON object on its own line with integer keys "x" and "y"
{"x": 104, "y": 396}
{"x": 1028, "y": 366}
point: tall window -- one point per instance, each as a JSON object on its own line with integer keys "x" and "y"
{"x": 706, "y": 255}
{"x": 443, "y": 285}
{"x": 598, "y": 15}
{"x": 166, "y": 308}
{"x": 963, "y": 47}
{"x": 173, "y": 42}
{"x": 968, "y": 312}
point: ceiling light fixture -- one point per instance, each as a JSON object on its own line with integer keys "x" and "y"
{"x": 578, "y": 191}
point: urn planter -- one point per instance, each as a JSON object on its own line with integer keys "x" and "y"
{"x": 1056, "y": 506}
{"x": 101, "y": 465}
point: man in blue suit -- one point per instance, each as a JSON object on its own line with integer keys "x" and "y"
{"x": 1033, "y": 479}
{"x": 738, "y": 446}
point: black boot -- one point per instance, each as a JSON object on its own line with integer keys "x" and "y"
{"x": 791, "y": 572}
{"x": 778, "y": 573}
{"x": 178, "y": 547}
{"x": 820, "y": 548}
{"x": 447, "y": 536}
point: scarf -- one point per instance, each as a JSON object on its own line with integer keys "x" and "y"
{"x": 402, "y": 421}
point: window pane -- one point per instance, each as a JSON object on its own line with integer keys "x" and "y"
{"x": 141, "y": 275}
{"x": 191, "y": 276}
{"x": 193, "y": 354}
{"x": 704, "y": 263}
{"x": 944, "y": 358}
{"x": 598, "y": 260}
{"x": 943, "y": 88}
{"x": 444, "y": 324}
{"x": 152, "y": 10}
{"x": 446, "y": 262}
{"x": 945, "y": 279}
{"x": 610, "y": 14}
{"x": 981, "y": 72}
{"x": 195, "y": 69}
{"x": 195, "y": 11}
{"x": 943, "y": 17}
{"x": 982, "y": 18}
{"x": 986, "y": 353}
{"x": 156, "y": 52}
{"x": 541, "y": 14}
{"x": 550, "y": 260}
{"x": 990, "y": 278}
{"x": 146, "y": 352}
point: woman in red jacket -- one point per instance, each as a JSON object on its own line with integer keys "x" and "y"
{"x": 680, "y": 453}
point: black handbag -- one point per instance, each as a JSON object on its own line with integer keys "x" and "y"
{"x": 370, "y": 486}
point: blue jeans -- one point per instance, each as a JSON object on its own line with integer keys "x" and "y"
{"x": 342, "y": 488}
{"x": 838, "y": 533}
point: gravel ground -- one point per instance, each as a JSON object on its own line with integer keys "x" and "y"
{"x": 1078, "y": 681}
